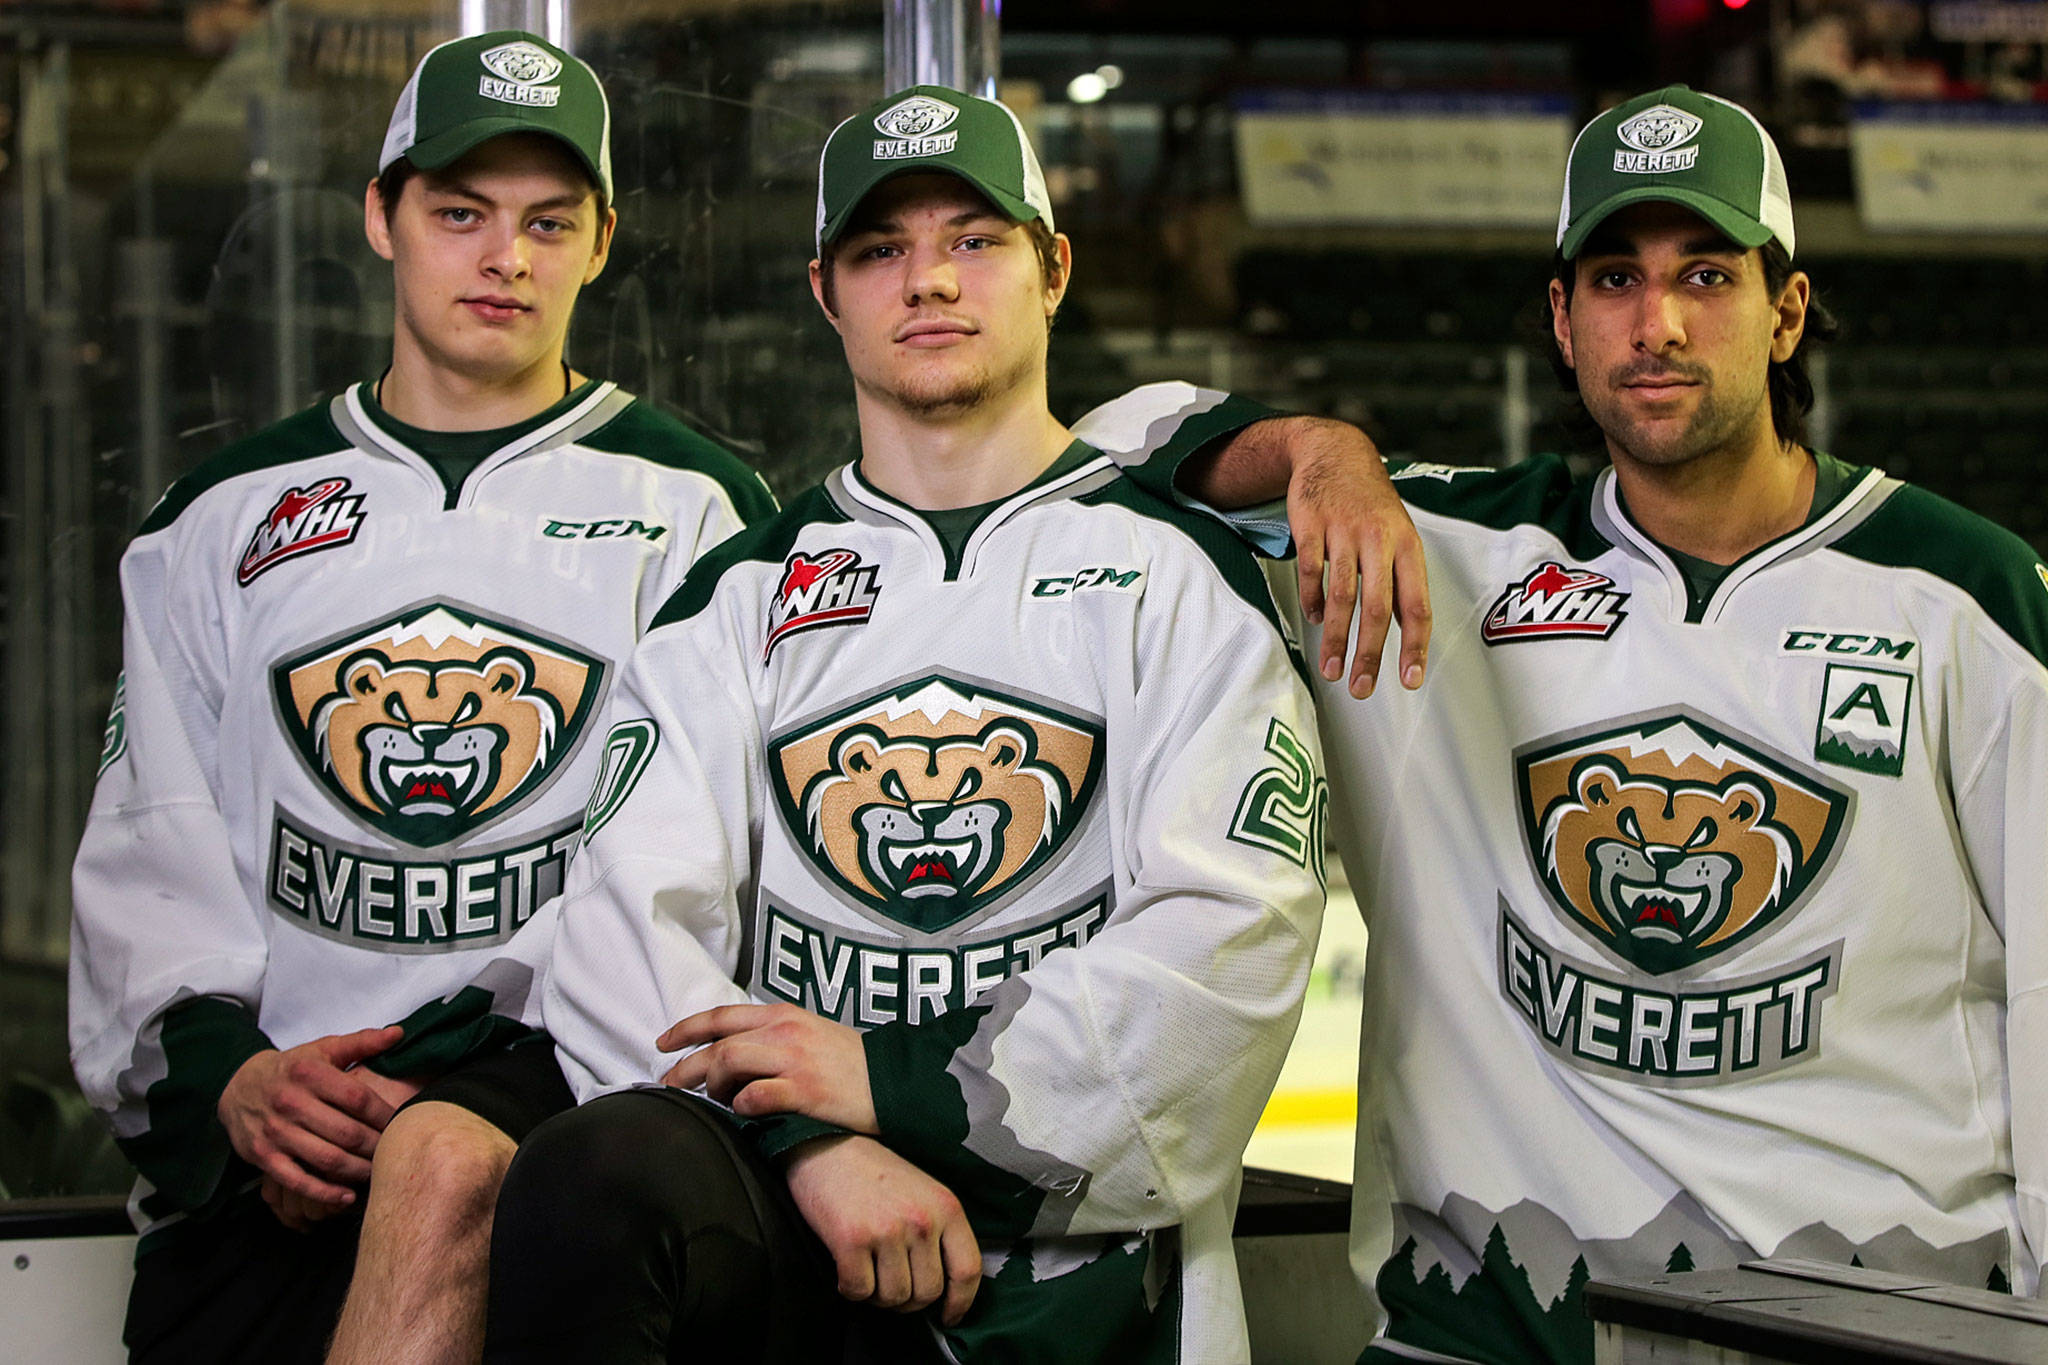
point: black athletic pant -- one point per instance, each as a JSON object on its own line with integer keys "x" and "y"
{"x": 643, "y": 1228}
{"x": 238, "y": 1286}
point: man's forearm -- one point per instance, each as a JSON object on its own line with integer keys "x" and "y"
{"x": 1253, "y": 465}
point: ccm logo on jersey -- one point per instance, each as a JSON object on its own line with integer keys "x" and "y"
{"x": 1555, "y": 601}
{"x": 1813, "y": 640}
{"x": 1100, "y": 579}
{"x": 829, "y": 589}
{"x": 316, "y": 517}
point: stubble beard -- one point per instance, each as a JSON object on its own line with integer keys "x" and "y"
{"x": 951, "y": 393}
{"x": 1715, "y": 423}
{"x": 942, "y": 397}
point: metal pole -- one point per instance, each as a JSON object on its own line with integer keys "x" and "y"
{"x": 145, "y": 266}
{"x": 549, "y": 18}
{"x": 49, "y": 490}
{"x": 26, "y": 795}
{"x": 1516, "y": 416}
{"x": 954, "y": 43}
{"x": 68, "y": 749}
{"x": 276, "y": 171}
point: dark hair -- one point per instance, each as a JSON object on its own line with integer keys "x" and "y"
{"x": 391, "y": 184}
{"x": 392, "y": 180}
{"x": 1791, "y": 387}
{"x": 1041, "y": 241}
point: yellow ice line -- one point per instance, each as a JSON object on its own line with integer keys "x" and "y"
{"x": 1310, "y": 1108}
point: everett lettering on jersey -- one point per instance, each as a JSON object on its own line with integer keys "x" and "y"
{"x": 1699, "y": 1033}
{"x": 869, "y": 983}
{"x": 365, "y": 897}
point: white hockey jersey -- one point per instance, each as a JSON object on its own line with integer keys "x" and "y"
{"x": 1699, "y": 929}
{"x": 352, "y": 744}
{"x": 1044, "y": 819}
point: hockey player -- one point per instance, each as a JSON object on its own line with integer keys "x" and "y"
{"x": 364, "y": 656}
{"x": 969, "y": 813}
{"x": 1729, "y": 942}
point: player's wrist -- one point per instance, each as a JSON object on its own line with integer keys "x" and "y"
{"x": 243, "y": 1079}
{"x": 814, "y": 1153}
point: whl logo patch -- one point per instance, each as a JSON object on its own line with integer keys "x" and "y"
{"x": 1656, "y": 138}
{"x": 432, "y": 724}
{"x": 1668, "y": 843}
{"x": 518, "y": 72}
{"x": 931, "y": 800}
{"x": 320, "y": 516}
{"x": 1428, "y": 469}
{"x": 1555, "y": 601}
{"x": 832, "y": 588}
{"x": 914, "y": 127}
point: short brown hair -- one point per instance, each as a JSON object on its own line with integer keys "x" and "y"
{"x": 1035, "y": 228}
{"x": 391, "y": 182}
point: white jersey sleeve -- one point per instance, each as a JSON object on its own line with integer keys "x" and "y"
{"x": 650, "y": 925}
{"x": 1154, "y": 429}
{"x": 1115, "y": 1085}
{"x": 160, "y": 917}
{"x": 718, "y": 509}
{"x": 2002, "y": 819}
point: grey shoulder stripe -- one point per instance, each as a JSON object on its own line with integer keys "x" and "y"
{"x": 594, "y": 412}
{"x": 852, "y": 508}
{"x": 341, "y": 412}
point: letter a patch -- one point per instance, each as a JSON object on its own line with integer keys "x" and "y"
{"x": 1864, "y": 716}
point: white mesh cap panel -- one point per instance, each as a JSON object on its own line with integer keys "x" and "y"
{"x": 604, "y": 146}
{"x": 403, "y": 130}
{"x": 1564, "y": 212}
{"x": 1035, "y": 193}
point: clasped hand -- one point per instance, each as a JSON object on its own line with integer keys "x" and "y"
{"x": 775, "y": 1059}
{"x": 308, "y": 1119}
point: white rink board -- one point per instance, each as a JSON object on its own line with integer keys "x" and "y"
{"x": 62, "y": 1299}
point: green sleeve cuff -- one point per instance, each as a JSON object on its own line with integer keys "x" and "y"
{"x": 779, "y": 1134}
{"x": 185, "y": 1151}
{"x": 922, "y": 1114}
{"x": 443, "y": 1034}
{"x": 1159, "y": 471}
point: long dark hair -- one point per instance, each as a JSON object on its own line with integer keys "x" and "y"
{"x": 1791, "y": 387}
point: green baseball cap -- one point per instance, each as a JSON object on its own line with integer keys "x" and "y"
{"x": 1677, "y": 146}
{"x": 930, "y": 128}
{"x": 470, "y": 90}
